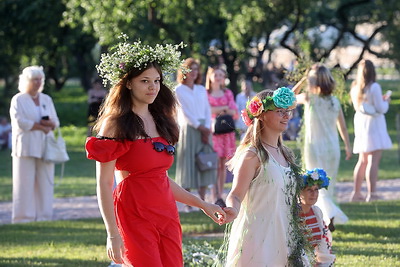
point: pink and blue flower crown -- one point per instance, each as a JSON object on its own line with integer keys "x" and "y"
{"x": 316, "y": 176}
{"x": 283, "y": 97}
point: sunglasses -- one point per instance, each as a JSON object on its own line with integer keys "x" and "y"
{"x": 159, "y": 147}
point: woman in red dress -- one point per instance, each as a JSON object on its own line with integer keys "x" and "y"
{"x": 136, "y": 132}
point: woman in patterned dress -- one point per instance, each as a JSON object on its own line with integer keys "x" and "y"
{"x": 222, "y": 102}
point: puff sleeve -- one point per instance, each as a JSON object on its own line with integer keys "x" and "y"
{"x": 105, "y": 150}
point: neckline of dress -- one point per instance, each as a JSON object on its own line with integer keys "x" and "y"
{"x": 273, "y": 158}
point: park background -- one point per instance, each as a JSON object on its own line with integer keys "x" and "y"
{"x": 256, "y": 39}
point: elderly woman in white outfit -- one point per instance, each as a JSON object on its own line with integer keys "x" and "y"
{"x": 33, "y": 116}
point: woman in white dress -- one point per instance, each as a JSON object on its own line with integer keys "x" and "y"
{"x": 263, "y": 200}
{"x": 371, "y": 136}
{"x": 323, "y": 118}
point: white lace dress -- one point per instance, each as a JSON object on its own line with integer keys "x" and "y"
{"x": 260, "y": 234}
{"x": 322, "y": 149}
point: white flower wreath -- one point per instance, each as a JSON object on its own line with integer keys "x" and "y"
{"x": 125, "y": 56}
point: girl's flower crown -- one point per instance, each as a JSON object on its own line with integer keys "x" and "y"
{"x": 283, "y": 97}
{"x": 125, "y": 56}
{"x": 316, "y": 176}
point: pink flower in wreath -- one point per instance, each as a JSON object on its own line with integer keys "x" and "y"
{"x": 255, "y": 106}
{"x": 245, "y": 117}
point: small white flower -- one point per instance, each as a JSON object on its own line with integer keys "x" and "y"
{"x": 315, "y": 176}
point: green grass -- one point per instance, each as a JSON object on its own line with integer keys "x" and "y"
{"x": 370, "y": 238}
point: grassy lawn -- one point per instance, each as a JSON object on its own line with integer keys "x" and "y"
{"x": 370, "y": 238}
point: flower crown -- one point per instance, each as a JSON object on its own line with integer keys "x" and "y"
{"x": 125, "y": 56}
{"x": 283, "y": 97}
{"x": 316, "y": 176}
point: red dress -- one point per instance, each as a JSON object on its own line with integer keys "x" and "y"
{"x": 144, "y": 206}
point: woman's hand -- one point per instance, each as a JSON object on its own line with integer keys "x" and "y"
{"x": 215, "y": 212}
{"x": 348, "y": 152}
{"x": 115, "y": 249}
{"x": 231, "y": 214}
{"x": 205, "y": 133}
{"x": 48, "y": 123}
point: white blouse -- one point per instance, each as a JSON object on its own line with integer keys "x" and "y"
{"x": 194, "y": 105}
{"x": 24, "y": 113}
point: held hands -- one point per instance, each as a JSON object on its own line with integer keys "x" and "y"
{"x": 115, "y": 249}
{"x": 215, "y": 212}
{"x": 231, "y": 214}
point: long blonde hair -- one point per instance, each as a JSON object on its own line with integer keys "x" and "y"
{"x": 252, "y": 138}
{"x": 366, "y": 76}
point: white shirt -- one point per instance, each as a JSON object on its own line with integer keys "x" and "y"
{"x": 194, "y": 105}
{"x": 24, "y": 113}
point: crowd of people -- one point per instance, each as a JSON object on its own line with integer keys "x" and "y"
{"x": 142, "y": 122}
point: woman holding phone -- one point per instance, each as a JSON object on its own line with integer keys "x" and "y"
{"x": 33, "y": 116}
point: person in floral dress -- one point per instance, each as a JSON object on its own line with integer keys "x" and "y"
{"x": 222, "y": 102}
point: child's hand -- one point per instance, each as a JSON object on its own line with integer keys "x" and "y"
{"x": 215, "y": 212}
{"x": 231, "y": 214}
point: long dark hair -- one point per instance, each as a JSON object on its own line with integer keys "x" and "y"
{"x": 125, "y": 124}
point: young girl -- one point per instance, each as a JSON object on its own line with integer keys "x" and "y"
{"x": 263, "y": 201}
{"x": 370, "y": 132}
{"x": 137, "y": 132}
{"x": 222, "y": 102}
{"x": 321, "y": 238}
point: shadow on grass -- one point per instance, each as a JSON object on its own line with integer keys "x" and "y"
{"x": 379, "y": 210}
{"x": 49, "y": 262}
{"x": 372, "y": 251}
{"x": 84, "y": 232}
{"x": 197, "y": 222}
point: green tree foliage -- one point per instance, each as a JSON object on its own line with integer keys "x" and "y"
{"x": 33, "y": 33}
{"x": 61, "y": 34}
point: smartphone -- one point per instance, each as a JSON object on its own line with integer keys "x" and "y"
{"x": 388, "y": 93}
{"x": 45, "y": 118}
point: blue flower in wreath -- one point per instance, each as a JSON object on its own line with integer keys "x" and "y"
{"x": 283, "y": 97}
{"x": 316, "y": 176}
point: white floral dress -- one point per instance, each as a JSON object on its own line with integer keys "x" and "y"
{"x": 322, "y": 149}
{"x": 260, "y": 235}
